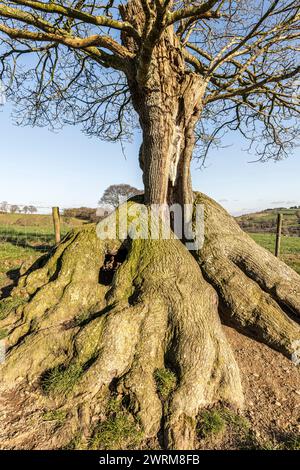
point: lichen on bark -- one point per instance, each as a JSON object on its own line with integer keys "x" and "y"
{"x": 87, "y": 340}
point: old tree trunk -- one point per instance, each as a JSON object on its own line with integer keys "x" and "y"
{"x": 88, "y": 343}
{"x": 169, "y": 102}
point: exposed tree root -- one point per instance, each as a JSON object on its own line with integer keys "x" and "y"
{"x": 79, "y": 339}
{"x": 258, "y": 292}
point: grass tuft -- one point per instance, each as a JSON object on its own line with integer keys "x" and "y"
{"x": 289, "y": 442}
{"x": 292, "y": 442}
{"x": 75, "y": 443}
{"x": 61, "y": 380}
{"x": 214, "y": 423}
{"x": 165, "y": 381}
{"x": 116, "y": 433}
{"x": 235, "y": 420}
{"x": 210, "y": 423}
{"x": 119, "y": 431}
{"x": 282, "y": 442}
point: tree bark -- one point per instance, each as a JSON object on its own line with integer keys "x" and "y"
{"x": 168, "y": 100}
{"x": 93, "y": 341}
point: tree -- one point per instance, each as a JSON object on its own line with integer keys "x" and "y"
{"x": 26, "y": 209}
{"x": 14, "y": 208}
{"x": 32, "y": 209}
{"x": 2, "y": 95}
{"x": 190, "y": 71}
{"x": 116, "y": 194}
{"x": 4, "y": 206}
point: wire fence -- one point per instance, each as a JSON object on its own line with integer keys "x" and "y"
{"x": 33, "y": 227}
{"x": 26, "y": 237}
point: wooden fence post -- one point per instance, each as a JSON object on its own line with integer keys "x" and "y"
{"x": 56, "y": 223}
{"x": 278, "y": 235}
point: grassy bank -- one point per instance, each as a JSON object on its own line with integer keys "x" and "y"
{"x": 290, "y": 247}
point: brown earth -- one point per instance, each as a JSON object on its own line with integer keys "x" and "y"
{"x": 271, "y": 385}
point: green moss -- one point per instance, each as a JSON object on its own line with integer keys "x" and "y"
{"x": 55, "y": 415}
{"x": 165, "y": 381}
{"x": 9, "y": 305}
{"x": 210, "y": 423}
{"x": 61, "y": 380}
{"x": 3, "y": 333}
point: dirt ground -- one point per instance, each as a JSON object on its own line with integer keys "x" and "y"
{"x": 271, "y": 385}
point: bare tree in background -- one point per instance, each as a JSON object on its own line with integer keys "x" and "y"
{"x": 116, "y": 194}
{"x": 32, "y": 209}
{"x": 4, "y": 206}
{"x": 187, "y": 72}
{"x": 14, "y": 208}
{"x": 25, "y": 209}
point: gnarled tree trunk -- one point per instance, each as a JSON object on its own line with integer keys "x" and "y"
{"x": 168, "y": 100}
{"x": 80, "y": 336}
{"x": 83, "y": 332}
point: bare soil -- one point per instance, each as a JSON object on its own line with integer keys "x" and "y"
{"x": 271, "y": 385}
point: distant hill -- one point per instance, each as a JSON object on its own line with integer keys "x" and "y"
{"x": 265, "y": 221}
{"x": 35, "y": 220}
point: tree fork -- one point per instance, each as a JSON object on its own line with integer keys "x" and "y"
{"x": 168, "y": 100}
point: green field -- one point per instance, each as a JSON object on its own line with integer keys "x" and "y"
{"x": 290, "y": 247}
{"x": 24, "y": 238}
{"x": 266, "y": 221}
{"x": 262, "y": 227}
{"x": 32, "y": 230}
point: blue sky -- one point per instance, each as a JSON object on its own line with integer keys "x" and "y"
{"x": 68, "y": 169}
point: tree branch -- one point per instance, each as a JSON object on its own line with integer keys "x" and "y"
{"x": 88, "y": 44}
{"x": 197, "y": 12}
{"x": 52, "y": 7}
